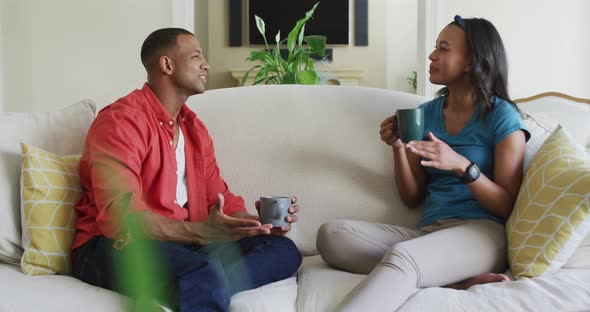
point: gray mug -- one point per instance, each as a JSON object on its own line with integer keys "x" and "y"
{"x": 274, "y": 210}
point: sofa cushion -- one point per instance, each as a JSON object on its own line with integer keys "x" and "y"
{"x": 64, "y": 293}
{"x": 50, "y": 189}
{"x": 54, "y": 293}
{"x": 61, "y": 132}
{"x": 322, "y": 288}
{"x": 566, "y": 290}
{"x": 552, "y": 212}
{"x": 320, "y": 143}
{"x": 277, "y": 296}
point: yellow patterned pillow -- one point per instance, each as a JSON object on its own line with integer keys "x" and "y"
{"x": 50, "y": 186}
{"x": 552, "y": 212}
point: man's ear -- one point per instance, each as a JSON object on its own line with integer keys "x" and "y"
{"x": 166, "y": 64}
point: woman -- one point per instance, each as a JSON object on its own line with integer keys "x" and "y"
{"x": 468, "y": 171}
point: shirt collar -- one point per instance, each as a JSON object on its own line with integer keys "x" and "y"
{"x": 161, "y": 113}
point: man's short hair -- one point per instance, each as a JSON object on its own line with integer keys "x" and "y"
{"x": 161, "y": 39}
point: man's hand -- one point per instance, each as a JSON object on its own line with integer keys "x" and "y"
{"x": 291, "y": 218}
{"x": 220, "y": 227}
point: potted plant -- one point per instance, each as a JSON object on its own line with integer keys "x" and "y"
{"x": 297, "y": 67}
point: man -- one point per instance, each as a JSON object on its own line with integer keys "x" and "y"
{"x": 148, "y": 151}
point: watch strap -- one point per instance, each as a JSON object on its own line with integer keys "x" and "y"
{"x": 469, "y": 177}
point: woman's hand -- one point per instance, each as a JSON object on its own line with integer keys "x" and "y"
{"x": 388, "y": 132}
{"x": 441, "y": 156}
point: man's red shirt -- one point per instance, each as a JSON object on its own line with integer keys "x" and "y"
{"x": 130, "y": 149}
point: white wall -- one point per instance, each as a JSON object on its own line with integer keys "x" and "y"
{"x": 388, "y": 20}
{"x": 57, "y": 52}
{"x": 1, "y": 60}
{"x": 547, "y": 41}
{"x": 16, "y": 52}
{"x": 60, "y": 51}
{"x": 402, "y": 43}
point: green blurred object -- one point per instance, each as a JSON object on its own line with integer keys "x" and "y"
{"x": 138, "y": 269}
{"x": 298, "y": 67}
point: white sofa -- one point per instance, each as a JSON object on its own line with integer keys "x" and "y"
{"x": 319, "y": 143}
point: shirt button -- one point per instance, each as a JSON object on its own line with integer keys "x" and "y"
{"x": 161, "y": 123}
{"x": 171, "y": 142}
{"x": 171, "y": 122}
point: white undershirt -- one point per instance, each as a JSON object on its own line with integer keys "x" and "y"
{"x": 181, "y": 193}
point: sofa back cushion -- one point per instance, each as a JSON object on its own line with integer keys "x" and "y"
{"x": 319, "y": 143}
{"x": 60, "y": 132}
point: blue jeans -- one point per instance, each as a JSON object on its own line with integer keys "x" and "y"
{"x": 200, "y": 278}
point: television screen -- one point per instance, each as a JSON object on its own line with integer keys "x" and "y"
{"x": 330, "y": 19}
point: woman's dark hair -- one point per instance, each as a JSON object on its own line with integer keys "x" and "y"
{"x": 489, "y": 74}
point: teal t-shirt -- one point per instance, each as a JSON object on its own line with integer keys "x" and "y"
{"x": 447, "y": 197}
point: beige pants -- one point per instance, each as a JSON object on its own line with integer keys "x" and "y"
{"x": 400, "y": 259}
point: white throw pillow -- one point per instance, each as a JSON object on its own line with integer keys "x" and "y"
{"x": 539, "y": 133}
{"x": 581, "y": 257}
{"x": 576, "y": 123}
{"x": 61, "y": 132}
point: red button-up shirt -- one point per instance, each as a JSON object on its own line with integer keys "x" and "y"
{"x": 130, "y": 149}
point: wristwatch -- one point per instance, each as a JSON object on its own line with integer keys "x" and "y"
{"x": 471, "y": 174}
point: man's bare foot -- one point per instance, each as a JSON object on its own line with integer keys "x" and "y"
{"x": 480, "y": 279}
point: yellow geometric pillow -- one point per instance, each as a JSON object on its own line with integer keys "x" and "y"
{"x": 50, "y": 186}
{"x": 552, "y": 212}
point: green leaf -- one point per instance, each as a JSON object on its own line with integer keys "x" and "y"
{"x": 310, "y": 12}
{"x": 284, "y": 65}
{"x": 293, "y": 67}
{"x": 274, "y": 80}
{"x": 308, "y": 77}
{"x": 296, "y": 67}
{"x": 310, "y": 64}
{"x": 294, "y": 34}
{"x": 300, "y": 40}
{"x": 257, "y": 55}
{"x": 296, "y": 55}
{"x": 289, "y": 78}
{"x": 245, "y": 77}
{"x": 260, "y": 77}
{"x": 317, "y": 44}
{"x": 268, "y": 58}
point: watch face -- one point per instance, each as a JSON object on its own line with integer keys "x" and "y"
{"x": 473, "y": 172}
